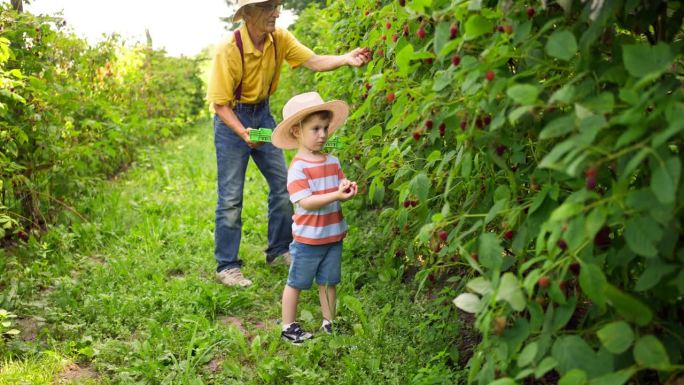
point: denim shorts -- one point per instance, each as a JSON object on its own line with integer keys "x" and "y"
{"x": 309, "y": 261}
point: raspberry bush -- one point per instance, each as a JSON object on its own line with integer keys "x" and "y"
{"x": 529, "y": 156}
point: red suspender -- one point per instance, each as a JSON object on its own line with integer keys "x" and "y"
{"x": 238, "y": 41}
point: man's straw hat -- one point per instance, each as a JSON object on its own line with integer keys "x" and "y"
{"x": 241, "y": 5}
{"x": 298, "y": 108}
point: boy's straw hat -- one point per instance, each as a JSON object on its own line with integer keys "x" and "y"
{"x": 299, "y": 107}
{"x": 241, "y": 5}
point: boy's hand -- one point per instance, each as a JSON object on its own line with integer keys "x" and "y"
{"x": 347, "y": 190}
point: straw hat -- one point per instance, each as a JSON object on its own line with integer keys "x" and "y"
{"x": 241, "y": 5}
{"x": 299, "y": 107}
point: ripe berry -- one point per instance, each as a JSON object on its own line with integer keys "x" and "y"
{"x": 487, "y": 120}
{"x": 544, "y": 282}
{"x": 508, "y": 234}
{"x": 367, "y": 13}
{"x": 395, "y": 37}
{"x": 414, "y": 203}
{"x": 416, "y": 135}
{"x": 421, "y": 33}
{"x": 383, "y": 37}
{"x": 479, "y": 123}
{"x": 407, "y": 203}
{"x": 499, "y": 28}
{"x": 530, "y": 12}
{"x": 368, "y": 86}
{"x": 399, "y": 253}
{"x": 406, "y": 30}
{"x": 508, "y": 29}
{"x": 390, "y": 97}
{"x": 22, "y": 235}
{"x": 463, "y": 125}
{"x": 388, "y": 25}
{"x": 428, "y": 124}
{"x": 453, "y": 32}
{"x": 602, "y": 238}
{"x": 475, "y": 257}
{"x": 442, "y": 129}
{"x": 428, "y": 61}
{"x": 590, "y": 183}
{"x": 500, "y": 149}
{"x": 575, "y": 268}
{"x": 562, "y": 244}
{"x": 456, "y": 60}
{"x": 402, "y": 2}
{"x": 443, "y": 235}
{"x": 380, "y": 52}
{"x": 489, "y": 75}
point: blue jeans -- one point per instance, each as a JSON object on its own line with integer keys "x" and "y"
{"x": 232, "y": 156}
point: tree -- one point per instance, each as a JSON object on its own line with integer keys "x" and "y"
{"x": 18, "y": 5}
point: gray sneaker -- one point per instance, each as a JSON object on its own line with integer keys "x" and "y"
{"x": 233, "y": 277}
{"x": 285, "y": 259}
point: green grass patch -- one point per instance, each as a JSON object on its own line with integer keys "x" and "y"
{"x": 131, "y": 294}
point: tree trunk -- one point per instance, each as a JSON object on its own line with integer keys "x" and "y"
{"x": 18, "y": 5}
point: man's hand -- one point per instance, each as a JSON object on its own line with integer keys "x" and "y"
{"x": 245, "y": 137}
{"x": 358, "y": 57}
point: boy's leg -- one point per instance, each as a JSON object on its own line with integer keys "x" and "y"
{"x": 290, "y": 301}
{"x": 232, "y": 155}
{"x": 327, "y": 295}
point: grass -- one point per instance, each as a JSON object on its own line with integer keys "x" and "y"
{"x": 130, "y": 296}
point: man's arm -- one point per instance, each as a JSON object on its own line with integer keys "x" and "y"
{"x": 231, "y": 120}
{"x": 355, "y": 58}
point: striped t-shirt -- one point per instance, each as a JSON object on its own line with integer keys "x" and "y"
{"x": 306, "y": 178}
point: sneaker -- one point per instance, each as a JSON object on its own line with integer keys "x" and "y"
{"x": 285, "y": 258}
{"x": 327, "y": 327}
{"x": 295, "y": 334}
{"x": 233, "y": 277}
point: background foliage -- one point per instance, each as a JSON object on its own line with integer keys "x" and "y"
{"x": 529, "y": 155}
{"x": 71, "y": 113}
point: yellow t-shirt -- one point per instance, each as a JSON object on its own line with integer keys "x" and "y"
{"x": 259, "y": 67}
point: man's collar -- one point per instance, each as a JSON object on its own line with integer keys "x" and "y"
{"x": 248, "y": 44}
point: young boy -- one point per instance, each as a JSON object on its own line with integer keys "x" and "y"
{"x": 316, "y": 185}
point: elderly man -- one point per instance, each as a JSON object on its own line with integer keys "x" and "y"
{"x": 245, "y": 72}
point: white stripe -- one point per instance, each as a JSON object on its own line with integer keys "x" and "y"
{"x": 295, "y": 173}
{"x": 299, "y": 195}
{"x": 320, "y": 232}
{"x": 331, "y": 208}
{"x": 321, "y": 184}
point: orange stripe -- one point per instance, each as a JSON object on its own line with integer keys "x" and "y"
{"x": 321, "y": 171}
{"x": 319, "y": 241}
{"x": 325, "y": 191}
{"x": 297, "y": 186}
{"x": 316, "y": 220}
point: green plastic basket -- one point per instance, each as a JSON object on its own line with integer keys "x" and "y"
{"x": 264, "y": 135}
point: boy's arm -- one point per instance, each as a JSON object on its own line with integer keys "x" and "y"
{"x": 345, "y": 191}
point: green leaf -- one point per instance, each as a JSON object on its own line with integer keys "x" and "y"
{"x": 477, "y": 26}
{"x": 665, "y": 179}
{"x": 593, "y": 282}
{"x": 509, "y": 291}
{"x": 442, "y": 80}
{"x": 442, "y": 35}
{"x": 468, "y": 302}
{"x": 574, "y": 377}
{"x": 572, "y": 352}
{"x": 558, "y": 127}
{"x": 490, "y": 251}
{"x": 644, "y": 59}
{"x": 480, "y": 285}
{"x": 546, "y": 365}
{"x": 627, "y": 306}
{"x": 566, "y": 210}
{"x": 523, "y": 93}
{"x": 561, "y": 45}
{"x": 503, "y": 381}
{"x": 403, "y": 59}
{"x": 617, "y": 336}
{"x": 420, "y": 186}
{"x": 616, "y": 378}
{"x": 528, "y": 354}
{"x": 375, "y": 131}
{"x": 654, "y": 272}
{"x": 650, "y": 353}
{"x": 641, "y": 234}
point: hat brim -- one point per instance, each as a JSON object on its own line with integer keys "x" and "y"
{"x": 282, "y": 136}
{"x": 238, "y": 15}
